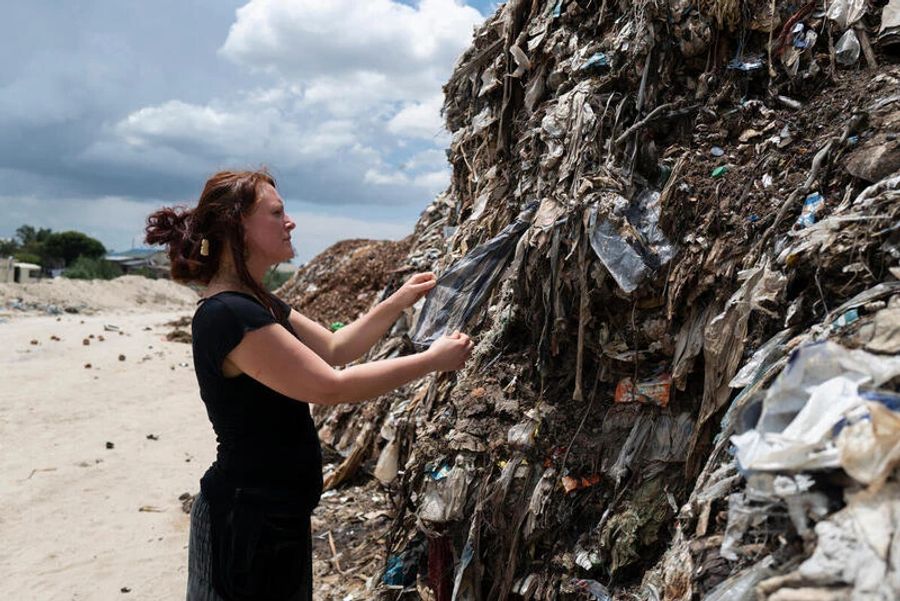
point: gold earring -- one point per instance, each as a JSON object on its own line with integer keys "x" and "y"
{"x": 204, "y": 247}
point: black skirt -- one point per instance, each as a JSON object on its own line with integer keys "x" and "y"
{"x": 200, "y": 559}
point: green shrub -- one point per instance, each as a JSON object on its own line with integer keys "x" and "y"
{"x": 274, "y": 279}
{"x": 87, "y": 268}
{"x": 145, "y": 272}
{"x": 26, "y": 257}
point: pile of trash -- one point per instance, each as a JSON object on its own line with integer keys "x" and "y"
{"x": 343, "y": 281}
{"x": 673, "y": 230}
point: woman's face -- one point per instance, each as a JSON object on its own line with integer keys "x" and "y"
{"x": 267, "y": 229}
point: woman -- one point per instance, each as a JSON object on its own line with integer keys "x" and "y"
{"x": 258, "y": 364}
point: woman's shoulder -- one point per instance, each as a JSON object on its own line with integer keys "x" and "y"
{"x": 231, "y": 306}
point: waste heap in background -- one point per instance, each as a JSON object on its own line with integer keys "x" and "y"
{"x": 343, "y": 281}
{"x": 672, "y": 229}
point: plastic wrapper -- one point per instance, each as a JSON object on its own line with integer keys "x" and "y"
{"x": 592, "y": 588}
{"x": 845, "y": 12}
{"x": 847, "y": 49}
{"x": 869, "y": 446}
{"x": 387, "y": 466}
{"x": 654, "y": 391}
{"x": 522, "y": 435}
{"x": 628, "y": 240}
{"x": 466, "y": 285}
{"x": 813, "y": 203}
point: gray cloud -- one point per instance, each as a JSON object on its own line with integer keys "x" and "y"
{"x": 126, "y": 107}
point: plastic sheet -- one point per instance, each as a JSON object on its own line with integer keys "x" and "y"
{"x": 592, "y": 588}
{"x": 889, "y": 33}
{"x": 740, "y": 586}
{"x": 819, "y": 385}
{"x": 444, "y": 500}
{"x": 857, "y": 546}
{"x": 628, "y": 240}
{"x": 387, "y": 466}
{"x": 463, "y": 288}
{"x": 760, "y": 359}
{"x": 869, "y": 446}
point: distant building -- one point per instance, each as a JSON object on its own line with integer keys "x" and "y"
{"x": 141, "y": 259}
{"x": 15, "y": 271}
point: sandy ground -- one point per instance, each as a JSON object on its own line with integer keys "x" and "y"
{"x": 81, "y": 521}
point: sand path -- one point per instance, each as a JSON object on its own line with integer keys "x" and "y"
{"x": 71, "y": 517}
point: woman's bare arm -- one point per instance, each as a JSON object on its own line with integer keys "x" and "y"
{"x": 355, "y": 339}
{"x": 272, "y": 356}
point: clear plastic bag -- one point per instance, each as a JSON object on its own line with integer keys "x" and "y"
{"x": 628, "y": 240}
{"x": 463, "y": 288}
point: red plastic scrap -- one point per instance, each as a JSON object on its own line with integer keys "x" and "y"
{"x": 652, "y": 392}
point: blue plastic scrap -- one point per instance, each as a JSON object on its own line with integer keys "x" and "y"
{"x": 811, "y": 206}
{"x": 748, "y": 63}
{"x": 402, "y": 569}
{"x": 597, "y": 61}
{"x": 557, "y": 10}
{"x": 799, "y": 32}
{"x": 440, "y": 473}
{"x": 846, "y": 319}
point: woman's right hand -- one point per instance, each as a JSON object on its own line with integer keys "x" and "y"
{"x": 449, "y": 352}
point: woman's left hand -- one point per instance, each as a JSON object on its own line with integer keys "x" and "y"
{"x": 415, "y": 288}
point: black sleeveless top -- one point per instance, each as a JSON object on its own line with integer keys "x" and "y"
{"x": 265, "y": 439}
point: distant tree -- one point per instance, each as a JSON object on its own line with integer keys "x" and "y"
{"x": 28, "y": 235}
{"x": 70, "y": 245}
{"x": 273, "y": 279}
{"x": 8, "y": 248}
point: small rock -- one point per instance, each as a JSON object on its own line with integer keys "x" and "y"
{"x": 35, "y": 343}
{"x": 152, "y": 437}
{"x": 87, "y": 365}
{"x": 110, "y": 445}
{"x": 125, "y": 589}
{"x": 121, "y": 357}
{"x": 86, "y": 342}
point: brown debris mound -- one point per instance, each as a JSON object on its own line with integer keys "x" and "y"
{"x": 673, "y": 206}
{"x": 343, "y": 281}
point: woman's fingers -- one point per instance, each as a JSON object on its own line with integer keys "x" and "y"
{"x": 422, "y": 277}
{"x": 422, "y": 286}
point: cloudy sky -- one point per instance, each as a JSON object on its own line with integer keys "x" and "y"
{"x": 110, "y": 109}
